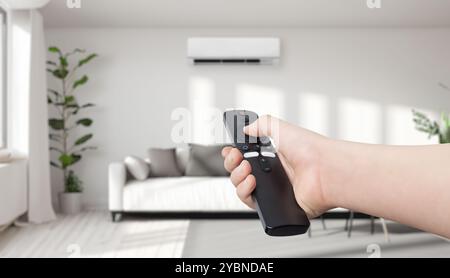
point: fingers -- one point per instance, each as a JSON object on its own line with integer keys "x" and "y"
{"x": 241, "y": 172}
{"x": 244, "y": 190}
{"x": 241, "y": 177}
{"x": 276, "y": 129}
{"x": 264, "y": 126}
{"x": 232, "y": 159}
{"x": 226, "y": 151}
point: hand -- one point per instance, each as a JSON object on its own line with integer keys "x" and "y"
{"x": 301, "y": 154}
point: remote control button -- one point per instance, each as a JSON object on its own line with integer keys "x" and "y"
{"x": 267, "y": 169}
{"x": 265, "y": 164}
{"x": 244, "y": 147}
{"x": 264, "y": 141}
{"x": 251, "y": 154}
{"x": 268, "y": 154}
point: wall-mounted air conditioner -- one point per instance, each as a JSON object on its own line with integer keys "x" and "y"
{"x": 233, "y": 50}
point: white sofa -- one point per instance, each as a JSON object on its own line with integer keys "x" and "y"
{"x": 178, "y": 197}
{"x": 172, "y": 196}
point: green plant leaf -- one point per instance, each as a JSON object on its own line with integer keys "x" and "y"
{"x": 54, "y": 49}
{"x": 76, "y": 158}
{"x": 73, "y": 106}
{"x": 56, "y": 149}
{"x": 76, "y": 50}
{"x": 83, "y": 139}
{"x": 69, "y": 100}
{"x": 54, "y": 164}
{"x": 87, "y": 105}
{"x": 78, "y": 108}
{"x": 86, "y": 60}
{"x": 60, "y": 73}
{"x": 56, "y": 124}
{"x": 49, "y": 100}
{"x": 445, "y": 120}
{"x": 54, "y": 92}
{"x": 80, "y": 81}
{"x": 69, "y": 159}
{"x": 87, "y": 149}
{"x": 66, "y": 160}
{"x": 84, "y": 122}
{"x": 54, "y": 137}
{"x": 73, "y": 183}
{"x": 424, "y": 124}
{"x": 63, "y": 61}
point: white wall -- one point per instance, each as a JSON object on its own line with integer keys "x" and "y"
{"x": 357, "y": 84}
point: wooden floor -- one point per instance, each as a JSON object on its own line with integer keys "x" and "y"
{"x": 92, "y": 234}
{"x": 244, "y": 238}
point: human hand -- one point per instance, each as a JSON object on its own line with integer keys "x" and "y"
{"x": 301, "y": 154}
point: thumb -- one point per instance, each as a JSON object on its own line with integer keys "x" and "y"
{"x": 265, "y": 126}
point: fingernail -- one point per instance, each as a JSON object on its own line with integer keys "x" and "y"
{"x": 230, "y": 159}
{"x": 246, "y": 181}
{"x": 241, "y": 168}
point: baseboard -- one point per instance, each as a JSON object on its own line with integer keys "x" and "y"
{"x": 191, "y": 215}
{"x": 222, "y": 215}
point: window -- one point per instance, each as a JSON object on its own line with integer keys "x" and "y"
{"x": 2, "y": 78}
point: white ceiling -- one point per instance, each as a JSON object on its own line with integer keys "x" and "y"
{"x": 248, "y": 13}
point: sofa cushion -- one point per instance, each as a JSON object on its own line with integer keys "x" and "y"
{"x": 205, "y": 161}
{"x": 182, "y": 194}
{"x": 163, "y": 163}
{"x": 182, "y": 154}
{"x": 137, "y": 167}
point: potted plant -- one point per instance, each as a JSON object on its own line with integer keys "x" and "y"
{"x": 433, "y": 128}
{"x": 68, "y": 110}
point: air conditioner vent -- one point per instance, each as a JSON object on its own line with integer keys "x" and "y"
{"x": 257, "y": 51}
{"x": 226, "y": 61}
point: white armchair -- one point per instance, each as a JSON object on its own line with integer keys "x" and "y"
{"x": 117, "y": 177}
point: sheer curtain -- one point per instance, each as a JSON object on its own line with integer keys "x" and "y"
{"x": 27, "y": 105}
{"x": 39, "y": 200}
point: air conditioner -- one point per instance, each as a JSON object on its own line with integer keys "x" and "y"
{"x": 233, "y": 50}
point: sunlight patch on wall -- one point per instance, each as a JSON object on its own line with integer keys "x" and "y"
{"x": 313, "y": 112}
{"x": 359, "y": 121}
{"x": 206, "y": 119}
{"x": 260, "y": 99}
{"x": 400, "y": 129}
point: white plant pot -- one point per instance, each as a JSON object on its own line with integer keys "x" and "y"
{"x": 70, "y": 203}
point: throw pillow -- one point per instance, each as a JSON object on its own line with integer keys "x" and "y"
{"x": 164, "y": 163}
{"x": 182, "y": 154}
{"x": 205, "y": 161}
{"x": 137, "y": 167}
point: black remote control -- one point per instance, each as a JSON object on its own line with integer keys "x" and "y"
{"x": 274, "y": 196}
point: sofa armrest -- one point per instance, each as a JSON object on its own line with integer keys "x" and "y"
{"x": 117, "y": 178}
